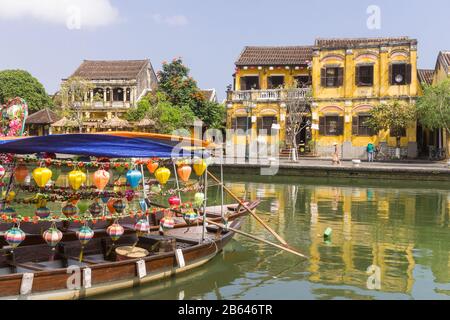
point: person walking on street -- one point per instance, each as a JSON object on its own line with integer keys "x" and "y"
{"x": 336, "y": 155}
{"x": 370, "y": 151}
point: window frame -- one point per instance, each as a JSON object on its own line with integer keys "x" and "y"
{"x": 270, "y": 86}
{"x": 337, "y": 80}
{"x": 407, "y": 73}
{"x": 324, "y": 125}
{"x": 243, "y": 79}
{"x": 358, "y": 127}
{"x": 261, "y": 125}
{"x": 236, "y": 126}
{"x": 359, "y": 78}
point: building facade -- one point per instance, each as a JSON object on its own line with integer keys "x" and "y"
{"x": 431, "y": 141}
{"x": 256, "y": 102}
{"x": 117, "y": 86}
{"x": 346, "y": 78}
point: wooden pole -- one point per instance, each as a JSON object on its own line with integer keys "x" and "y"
{"x": 279, "y": 238}
{"x": 257, "y": 238}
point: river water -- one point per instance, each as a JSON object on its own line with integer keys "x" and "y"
{"x": 389, "y": 240}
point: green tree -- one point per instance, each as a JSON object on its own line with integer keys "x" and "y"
{"x": 182, "y": 90}
{"x": 73, "y": 93}
{"x": 142, "y": 109}
{"x": 167, "y": 117}
{"x": 20, "y": 83}
{"x": 395, "y": 116}
{"x": 433, "y": 107}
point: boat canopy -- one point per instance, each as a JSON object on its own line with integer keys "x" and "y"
{"x": 107, "y": 144}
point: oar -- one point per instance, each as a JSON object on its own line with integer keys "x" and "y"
{"x": 256, "y": 238}
{"x": 279, "y": 238}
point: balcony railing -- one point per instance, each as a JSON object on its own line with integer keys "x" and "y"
{"x": 106, "y": 105}
{"x": 267, "y": 95}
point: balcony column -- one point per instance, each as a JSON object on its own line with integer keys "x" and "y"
{"x": 104, "y": 94}
{"x": 91, "y": 95}
{"x": 124, "y": 94}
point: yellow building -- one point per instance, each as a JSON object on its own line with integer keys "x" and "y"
{"x": 257, "y": 100}
{"x": 347, "y": 78}
{"x": 430, "y": 140}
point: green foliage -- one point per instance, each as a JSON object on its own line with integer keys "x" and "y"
{"x": 182, "y": 91}
{"x": 167, "y": 117}
{"x": 394, "y": 116}
{"x": 20, "y": 83}
{"x": 433, "y": 108}
{"x": 139, "y": 113}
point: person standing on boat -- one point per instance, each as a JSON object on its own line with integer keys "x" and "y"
{"x": 370, "y": 151}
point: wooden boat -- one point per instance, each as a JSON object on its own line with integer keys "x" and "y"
{"x": 30, "y": 272}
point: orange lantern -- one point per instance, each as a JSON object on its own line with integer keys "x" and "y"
{"x": 110, "y": 205}
{"x": 152, "y": 166}
{"x": 101, "y": 178}
{"x": 21, "y": 173}
{"x": 184, "y": 172}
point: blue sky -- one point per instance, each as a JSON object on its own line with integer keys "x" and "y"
{"x": 207, "y": 34}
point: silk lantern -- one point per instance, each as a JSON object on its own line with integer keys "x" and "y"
{"x": 52, "y": 236}
{"x": 184, "y": 172}
{"x": 156, "y": 188}
{"x": 101, "y": 179}
{"x": 76, "y": 179}
{"x": 190, "y": 216}
{"x": 119, "y": 206}
{"x": 41, "y": 176}
{"x": 42, "y": 212}
{"x": 200, "y": 167}
{"x": 143, "y": 205}
{"x": 14, "y": 237}
{"x": 83, "y": 205}
{"x": 69, "y": 210}
{"x": 110, "y": 205}
{"x": 95, "y": 209}
{"x": 133, "y": 178}
{"x": 199, "y": 198}
{"x": 85, "y": 234}
{"x": 162, "y": 175}
{"x": 2, "y": 172}
{"x": 115, "y": 231}
{"x": 167, "y": 223}
{"x": 152, "y": 166}
{"x": 10, "y": 197}
{"x": 142, "y": 226}
{"x": 21, "y": 173}
{"x": 174, "y": 201}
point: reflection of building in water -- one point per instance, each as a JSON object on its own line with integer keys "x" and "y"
{"x": 355, "y": 246}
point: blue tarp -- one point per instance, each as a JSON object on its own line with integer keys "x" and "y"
{"x": 98, "y": 145}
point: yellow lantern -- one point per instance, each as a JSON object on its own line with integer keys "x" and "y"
{"x": 11, "y": 195}
{"x": 76, "y": 179}
{"x": 199, "y": 166}
{"x": 162, "y": 175}
{"x": 41, "y": 176}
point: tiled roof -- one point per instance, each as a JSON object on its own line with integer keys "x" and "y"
{"x": 44, "y": 116}
{"x": 264, "y": 56}
{"x": 444, "y": 59}
{"x": 425, "y": 75}
{"x": 209, "y": 94}
{"x": 110, "y": 70}
{"x": 361, "y": 42}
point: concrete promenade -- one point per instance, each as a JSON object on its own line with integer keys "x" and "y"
{"x": 309, "y": 167}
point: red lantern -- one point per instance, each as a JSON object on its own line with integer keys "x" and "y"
{"x": 174, "y": 201}
{"x": 184, "y": 172}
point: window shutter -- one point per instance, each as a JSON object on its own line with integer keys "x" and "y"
{"x": 323, "y": 77}
{"x": 242, "y": 83}
{"x": 340, "y": 75}
{"x": 357, "y": 82}
{"x": 340, "y": 126}
{"x": 408, "y": 73}
{"x": 391, "y": 78}
{"x": 322, "y": 126}
{"x": 355, "y": 125}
